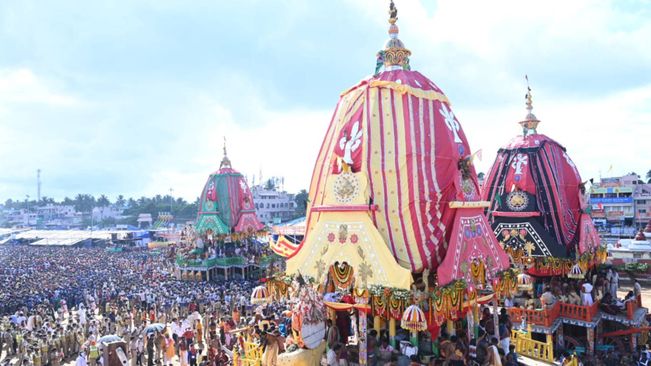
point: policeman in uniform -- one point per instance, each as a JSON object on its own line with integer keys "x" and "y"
{"x": 36, "y": 355}
{"x": 93, "y": 353}
{"x": 44, "y": 350}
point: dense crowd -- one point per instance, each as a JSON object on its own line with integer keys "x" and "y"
{"x": 57, "y": 303}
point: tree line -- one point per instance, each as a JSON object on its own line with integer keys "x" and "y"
{"x": 181, "y": 209}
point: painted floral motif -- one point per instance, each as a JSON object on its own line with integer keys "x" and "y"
{"x": 343, "y": 233}
{"x": 520, "y": 161}
{"x": 331, "y": 237}
{"x": 365, "y": 272}
{"x": 451, "y": 122}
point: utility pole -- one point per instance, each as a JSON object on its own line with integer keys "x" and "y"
{"x": 38, "y": 185}
{"x": 27, "y": 207}
{"x": 171, "y": 200}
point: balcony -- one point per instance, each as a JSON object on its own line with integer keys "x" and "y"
{"x": 542, "y": 317}
{"x": 579, "y": 312}
{"x": 211, "y": 262}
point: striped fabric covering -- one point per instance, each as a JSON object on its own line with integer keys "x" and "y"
{"x": 540, "y": 169}
{"x": 409, "y": 147}
{"x": 227, "y": 196}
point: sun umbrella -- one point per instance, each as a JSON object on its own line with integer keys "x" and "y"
{"x": 413, "y": 319}
{"x": 525, "y": 282}
{"x": 109, "y": 339}
{"x": 155, "y": 327}
{"x": 260, "y": 295}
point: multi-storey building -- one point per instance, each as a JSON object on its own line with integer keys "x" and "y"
{"x": 621, "y": 201}
{"x": 273, "y": 206}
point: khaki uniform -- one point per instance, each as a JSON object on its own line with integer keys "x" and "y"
{"x": 56, "y": 358}
{"x": 79, "y": 341}
{"x": 36, "y": 358}
{"x": 44, "y": 352}
{"x": 70, "y": 340}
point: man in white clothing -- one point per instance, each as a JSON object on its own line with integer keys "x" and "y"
{"x": 81, "y": 359}
{"x": 586, "y": 294}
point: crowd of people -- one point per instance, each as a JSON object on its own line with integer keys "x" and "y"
{"x": 58, "y": 303}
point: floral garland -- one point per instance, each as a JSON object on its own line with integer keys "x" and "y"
{"x": 376, "y": 290}
{"x": 379, "y": 304}
{"x": 448, "y": 301}
{"x": 400, "y": 294}
{"x": 360, "y": 295}
{"x": 342, "y": 277}
{"x": 478, "y": 272}
{"x": 506, "y": 283}
{"x": 396, "y": 306}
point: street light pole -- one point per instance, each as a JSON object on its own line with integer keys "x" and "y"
{"x": 27, "y": 207}
{"x": 171, "y": 200}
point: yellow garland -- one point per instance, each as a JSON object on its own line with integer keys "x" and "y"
{"x": 379, "y": 306}
{"x": 478, "y": 272}
{"x": 395, "y": 308}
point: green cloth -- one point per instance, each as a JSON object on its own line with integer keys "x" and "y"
{"x": 212, "y": 222}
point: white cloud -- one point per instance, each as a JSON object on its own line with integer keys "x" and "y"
{"x": 155, "y": 108}
{"x": 597, "y": 133}
{"x": 282, "y": 144}
{"x": 22, "y": 86}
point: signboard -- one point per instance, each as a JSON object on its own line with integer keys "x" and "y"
{"x": 611, "y": 200}
{"x": 611, "y": 214}
{"x": 604, "y": 190}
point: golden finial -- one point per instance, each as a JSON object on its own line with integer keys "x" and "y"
{"x": 226, "y": 163}
{"x": 394, "y": 56}
{"x": 393, "y": 13}
{"x": 528, "y": 96}
{"x": 530, "y": 123}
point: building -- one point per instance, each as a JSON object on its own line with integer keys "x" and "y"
{"x": 273, "y": 206}
{"x": 621, "y": 201}
{"x": 111, "y": 212}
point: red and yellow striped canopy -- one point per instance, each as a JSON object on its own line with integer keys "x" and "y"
{"x": 413, "y": 319}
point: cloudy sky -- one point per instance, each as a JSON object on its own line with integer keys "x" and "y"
{"x": 135, "y": 97}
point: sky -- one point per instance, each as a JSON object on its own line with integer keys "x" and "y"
{"x": 136, "y": 97}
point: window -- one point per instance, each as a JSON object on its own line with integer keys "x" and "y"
{"x": 641, "y": 202}
{"x": 643, "y": 210}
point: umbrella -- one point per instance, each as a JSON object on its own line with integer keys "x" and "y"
{"x": 260, "y": 295}
{"x": 155, "y": 327}
{"x": 413, "y": 319}
{"x": 109, "y": 339}
{"x": 525, "y": 282}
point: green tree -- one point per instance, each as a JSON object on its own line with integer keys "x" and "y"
{"x": 301, "y": 200}
{"x": 84, "y": 202}
{"x": 120, "y": 201}
{"x": 270, "y": 185}
{"x": 47, "y": 200}
{"x": 103, "y": 201}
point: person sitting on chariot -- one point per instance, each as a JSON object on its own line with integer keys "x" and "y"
{"x": 548, "y": 299}
{"x": 609, "y": 305}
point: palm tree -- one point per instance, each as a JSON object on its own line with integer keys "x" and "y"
{"x": 103, "y": 201}
{"x": 120, "y": 201}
